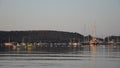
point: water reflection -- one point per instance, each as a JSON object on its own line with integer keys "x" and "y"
{"x": 88, "y": 57}
{"x": 29, "y": 50}
{"x": 93, "y": 53}
{"x": 18, "y": 50}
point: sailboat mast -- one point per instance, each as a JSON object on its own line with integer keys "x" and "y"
{"x": 23, "y": 40}
{"x": 108, "y": 38}
{"x": 94, "y": 30}
{"x": 94, "y": 40}
{"x": 9, "y": 39}
{"x": 84, "y": 33}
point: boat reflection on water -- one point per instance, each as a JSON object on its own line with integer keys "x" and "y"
{"x": 91, "y": 56}
{"x": 93, "y": 53}
{"x": 29, "y": 50}
{"x": 21, "y": 50}
{"x": 18, "y": 50}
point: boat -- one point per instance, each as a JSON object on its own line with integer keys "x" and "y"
{"x": 8, "y": 45}
{"x": 93, "y": 42}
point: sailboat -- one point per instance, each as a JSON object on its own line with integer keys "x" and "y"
{"x": 8, "y": 45}
{"x": 94, "y": 41}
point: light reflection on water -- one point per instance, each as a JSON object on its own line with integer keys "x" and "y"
{"x": 90, "y": 57}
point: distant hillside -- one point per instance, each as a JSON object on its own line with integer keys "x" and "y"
{"x": 112, "y": 38}
{"x": 37, "y": 36}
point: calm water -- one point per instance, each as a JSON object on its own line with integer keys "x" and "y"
{"x": 93, "y": 57}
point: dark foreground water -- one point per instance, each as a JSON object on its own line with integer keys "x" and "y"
{"x": 93, "y": 57}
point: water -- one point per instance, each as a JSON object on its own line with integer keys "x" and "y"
{"x": 93, "y": 57}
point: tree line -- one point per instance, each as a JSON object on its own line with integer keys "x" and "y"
{"x": 37, "y": 36}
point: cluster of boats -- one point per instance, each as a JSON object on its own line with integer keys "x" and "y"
{"x": 14, "y": 46}
{"x": 38, "y": 45}
{"x": 42, "y": 45}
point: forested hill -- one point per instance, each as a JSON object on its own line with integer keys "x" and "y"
{"x": 37, "y": 36}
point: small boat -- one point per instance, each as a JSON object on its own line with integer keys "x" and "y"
{"x": 8, "y": 45}
{"x": 93, "y": 42}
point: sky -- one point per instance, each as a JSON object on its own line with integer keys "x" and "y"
{"x": 62, "y": 15}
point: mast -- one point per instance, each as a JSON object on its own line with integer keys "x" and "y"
{"x": 84, "y": 33}
{"x": 94, "y": 40}
{"x": 9, "y": 39}
{"x": 23, "y": 40}
{"x": 108, "y": 39}
{"x": 94, "y": 30}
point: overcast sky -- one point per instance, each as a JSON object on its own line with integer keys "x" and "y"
{"x": 62, "y": 15}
